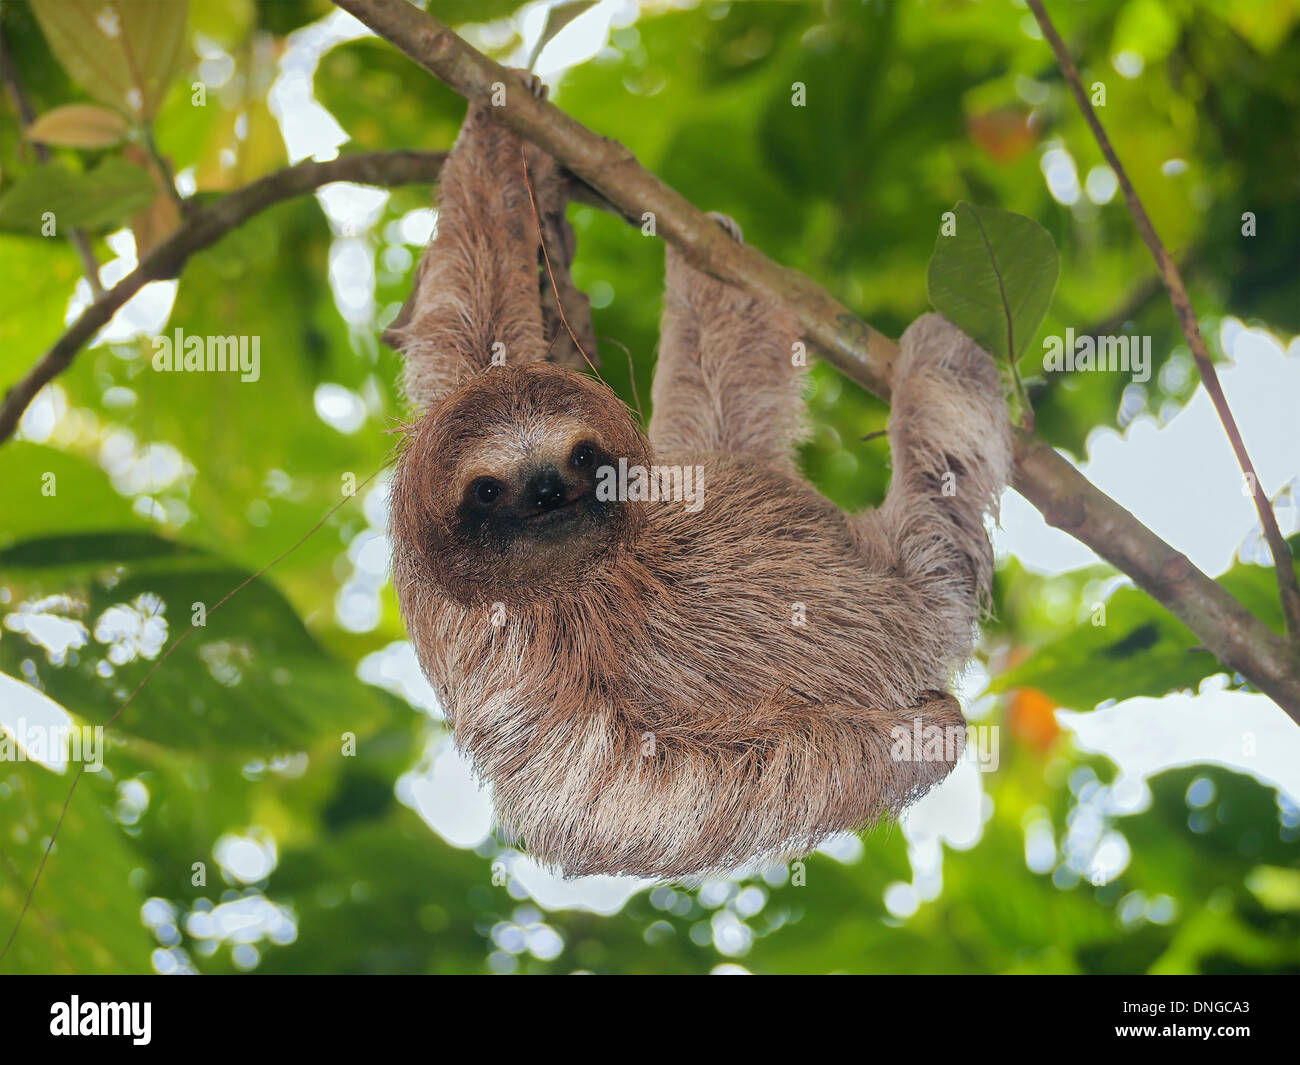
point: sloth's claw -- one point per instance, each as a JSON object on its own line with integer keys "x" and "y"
{"x": 531, "y": 82}
{"x": 535, "y": 84}
{"x": 730, "y": 225}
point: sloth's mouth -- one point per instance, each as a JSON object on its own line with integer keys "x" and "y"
{"x": 556, "y": 524}
{"x": 566, "y": 511}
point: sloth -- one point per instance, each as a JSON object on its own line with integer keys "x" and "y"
{"x": 649, "y": 689}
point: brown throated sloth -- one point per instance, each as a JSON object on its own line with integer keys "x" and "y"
{"x": 653, "y": 690}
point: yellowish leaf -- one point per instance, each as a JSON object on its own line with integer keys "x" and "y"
{"x": 155, "y": 224}
{"x": 78, "y": 126}
{"x": 162, "y": 217}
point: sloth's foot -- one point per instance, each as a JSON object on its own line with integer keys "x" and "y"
{"x": 531, "y": 81}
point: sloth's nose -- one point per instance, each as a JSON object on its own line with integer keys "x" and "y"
{"x": 546, "y": 490}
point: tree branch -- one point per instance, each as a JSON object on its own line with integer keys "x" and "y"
{"x": 1067, "y": 499}
{"x": 202, "y": 229}
{"x": 608, "y": 176}
{"x": 1288, "y": 587}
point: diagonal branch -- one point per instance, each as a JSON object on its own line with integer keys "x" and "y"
{"x": 608, "y": 176}
{"x": 204, "y": 228}
{"x": 1288, "y": 588}
{"x": 1067, "y": 499}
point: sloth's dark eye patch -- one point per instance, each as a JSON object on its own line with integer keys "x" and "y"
{"x": 583, "y": 456}
{"x": 485, "y": 491}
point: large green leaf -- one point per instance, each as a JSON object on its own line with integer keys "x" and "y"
{"x": 251, "y": 680}
{"x": 123, "y": 52}
{"x": 1139, "y": 648}
{"x": 365, "y": 85}
{"x": 39, "y": 276}
{"x": 1234, "y": 819}
{"x": 98, "y": 198}
{"x": 1135, "y": 646}
{"x": 85, "y": 914}
{"x": 51, "y": 489}
{"x": 993, "y": 277}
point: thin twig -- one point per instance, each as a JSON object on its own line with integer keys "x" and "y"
{"x": 546, "y": 256}
{"x": 1288, "y": 587}
{"x": 631, "y": 375}
{"x": 164, "y": 167}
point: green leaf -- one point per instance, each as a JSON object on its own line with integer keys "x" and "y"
{"x": 418, "y": 917}
{"x": 284, "y": 16}
{"x": 1146, "y": 27}
{"x": 363, "y": 84}
{"x": 38, "y": 277}
{"x": 228, "y": 21}
{"x": 994, "y": 277}
{"x": 105, "y": 196}
{"x": 1255, "y": 586}
{"x": 85, "y": 915}
{"x": 51, "y": 489}
{"x": 1137, "y": 647}
{"x": 122, "y": 52}
{"x": 251, "y": 680}
{"x": 1237, "y": 826}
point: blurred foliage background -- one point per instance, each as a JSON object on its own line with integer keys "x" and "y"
{"x": 172, "y": 489}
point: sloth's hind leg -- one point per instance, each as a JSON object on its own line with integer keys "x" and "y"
{"x": 727, "y": 377}
{"x": 712, "y": 792}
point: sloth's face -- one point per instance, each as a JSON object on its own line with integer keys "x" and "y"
{"x": 495, "y": 496}
{"x": 536, "y": 484}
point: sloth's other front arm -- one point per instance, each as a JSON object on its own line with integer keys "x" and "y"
{"x": 476, "y": 291}
{"x": 951, "y": 443}
{"x": 726, "y": 379}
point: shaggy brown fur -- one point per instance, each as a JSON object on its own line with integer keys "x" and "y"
{"x": 633, "y": 679}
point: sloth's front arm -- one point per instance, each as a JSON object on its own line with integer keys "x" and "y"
{"x": 475, "y": 303}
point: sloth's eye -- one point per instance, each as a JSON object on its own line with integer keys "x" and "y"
{"x": 583, "y": 455}
{"x": 485, "y": 490}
